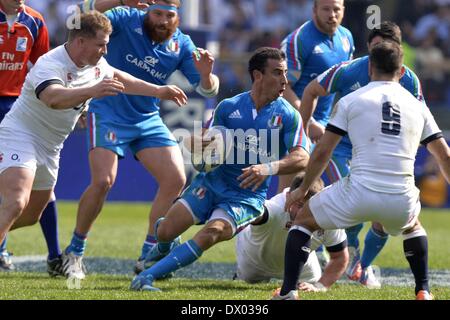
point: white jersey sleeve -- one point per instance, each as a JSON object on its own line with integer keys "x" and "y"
{"x": 431, "y": 130}
{"x": 339, "y": 118}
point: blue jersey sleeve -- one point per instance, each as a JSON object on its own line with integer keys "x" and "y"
{"x": 218, "y": 117}
{"x": 187, "y": 66}
{"x": 294, "y": 48}
{"x": 332, "y": 79}
{"x": 411, "y": 82}
{"x": 293, "y": 133}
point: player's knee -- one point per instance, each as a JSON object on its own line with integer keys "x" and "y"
{"x": 164, "y": 232}
{"x": 173, "y": 184}
{"x": 211, "y": 235}
{"x": 15, "y": 206}
{"x": 103, "y": 183}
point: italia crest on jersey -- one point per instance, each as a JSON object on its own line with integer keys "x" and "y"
{"x": 21, "y": 44}
{"x": 173, "y": 46}
{"x": 199, "y": 192}
{"x": 346, "y": 44}
{"x": 276, "y": 122}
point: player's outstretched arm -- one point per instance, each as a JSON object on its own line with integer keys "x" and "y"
{"x": 57, "y": 96}
{"x": 105, "y": 5}
{"x": 441, "y": 152}
{"x": 316, "y": 165}
{"x": 310, "y": 97}
{"x": 136, "y": 86}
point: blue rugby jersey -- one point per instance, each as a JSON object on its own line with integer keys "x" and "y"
{"x": 253, "y": 131}
{"x": 132, "y": 51}
{"x": 309, "y": 52}
{"x": 347, "y": 77}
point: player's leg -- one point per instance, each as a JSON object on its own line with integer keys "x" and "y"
{"x": 165, "y": 164}
{"x": 375, "y": 240}
{"x": 49, "y": 226}
{"x": 15, "y": 190}
{"x": 415, "y": 246}
{"x": 214, "y": 231}
{"x": 299, "y": 236}
{"x": 103, "y": 165}
{"x": 178, "y": 219}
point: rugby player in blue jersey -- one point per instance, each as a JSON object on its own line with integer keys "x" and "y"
{"x": 230, "y": 197}
{"x": 310, "y": 50}
{"x": 345, "y": 78}
{"x": 148, "y": 45}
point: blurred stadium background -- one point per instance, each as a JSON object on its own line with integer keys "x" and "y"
{"x": 232, "y": 29}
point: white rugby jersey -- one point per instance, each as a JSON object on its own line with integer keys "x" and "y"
{"x": 265, "y": 244}
{"x": 385, "y": 124}
{"x": 50, "y": 127}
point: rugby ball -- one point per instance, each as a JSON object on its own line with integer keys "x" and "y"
{"x": 216, "y": 152}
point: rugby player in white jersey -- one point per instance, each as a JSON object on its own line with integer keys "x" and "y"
{"x": 56, "y": 91}
{"x": 260, "y": 246}
{"x": 385, "y": 124}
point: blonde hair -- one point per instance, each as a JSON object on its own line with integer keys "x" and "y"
{"x": 90, "y": 23}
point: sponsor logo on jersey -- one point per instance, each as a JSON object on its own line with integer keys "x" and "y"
{"x": 1, "y": 39}
{"x": 15, "y": 157}
{"x": 235, "y": 115}
{"x": 21, "y": 44}
{"x": 355, "y": 87}
{"x": 317, "y": 50}
{"x": 147, "y": 65}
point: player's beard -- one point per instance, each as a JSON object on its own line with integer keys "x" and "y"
{"x": 158, "y": 35}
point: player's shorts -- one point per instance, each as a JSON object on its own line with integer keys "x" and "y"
{"x": 207, "y": 193}
{"x": 347, "y": 203}
{"x": 5, "y": 105}
{"x": 117, "y": 137}
{"x": 19, "y": 150}
{"x": 251, "y": 272}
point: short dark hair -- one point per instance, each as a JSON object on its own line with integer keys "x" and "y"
{"x": 387, "y": 57}
{"x": 90, "y": 23}
{"x": 316, "y": 186}
{"x": 387, "y": 30}
{"x": 258, "y": 60}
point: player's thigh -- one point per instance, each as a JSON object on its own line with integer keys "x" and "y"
{"x": 164, "y": 163}
{"x": 33, "y": 211}
{"x": 103, "y": 164}
{"x": 15, "y": 185}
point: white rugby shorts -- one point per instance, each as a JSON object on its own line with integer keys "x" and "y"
{"x": 18, "y": 149}
{"x": 347, "y": 203}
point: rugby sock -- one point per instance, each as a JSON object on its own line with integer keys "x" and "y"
{"x": 49, "y": 226}
{"x": 373, "y": 244}
{"x": 3, "y": 245}
{"x": 297, "y": 252}
{"x": 352, "y": 235}
{"x": 149, "y": 242}
{"x": 179, "y": 257}
{"x": 416, "y": 252}
{"x": 78, "y": 244}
